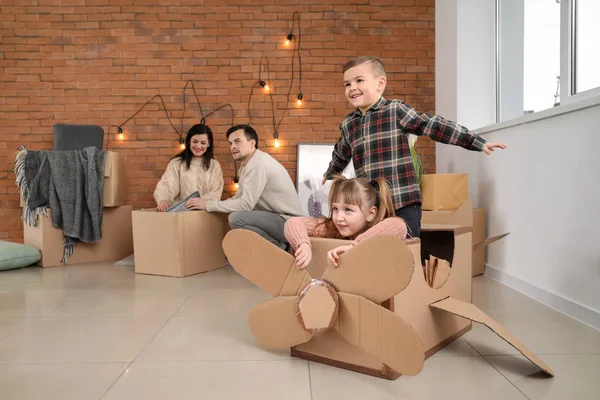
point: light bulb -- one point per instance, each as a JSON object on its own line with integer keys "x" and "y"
{"x": 236, "y": 185}
{"x": 120, "y": 136}
{"x": 299, "y": 102}
{"x": 276, "y": 142}
{"x": 182, "y": 145}
{"x": 120, "y": 130}
{"x": 267, "y": 88}
{"x": 299, "y": 99}
{"x": 288, "y": 39}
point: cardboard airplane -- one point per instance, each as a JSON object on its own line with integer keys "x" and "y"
{"x": 347, "y": 300}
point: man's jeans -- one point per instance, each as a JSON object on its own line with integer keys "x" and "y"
{"x": 267, "y": 224}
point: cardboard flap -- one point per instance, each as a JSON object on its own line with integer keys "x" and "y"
{"x": 264, "y": 264}
{"x": 377, "y": 268}
{"x": 380, "y": 332}
{"x": 491, "y": 240}
{"x": 470, "y": 311}
{"x": 275, "y": 325}
{"x": 108, "y": 165}
{"x": 462, "y": 216}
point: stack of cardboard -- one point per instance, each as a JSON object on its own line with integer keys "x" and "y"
{"x": 446, "y": 201}
{"x": 117, "y": 238}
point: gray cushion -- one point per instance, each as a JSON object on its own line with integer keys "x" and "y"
{"x": 77, "y": 137}
{"x": 16, "y": 255}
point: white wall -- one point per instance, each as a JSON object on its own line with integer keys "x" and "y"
{"x": 544, "y": 189}
{"x": 465, "y": 61}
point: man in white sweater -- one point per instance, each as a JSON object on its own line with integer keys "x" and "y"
{"x": 266, "y": 195}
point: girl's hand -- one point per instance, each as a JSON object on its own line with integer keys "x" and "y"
{"x": 334, "y": 255}
{"x": 162, "y": 206}
{"x": 303, "y": 256}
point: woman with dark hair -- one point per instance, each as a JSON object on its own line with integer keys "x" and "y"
{"x": 193, "y": 169}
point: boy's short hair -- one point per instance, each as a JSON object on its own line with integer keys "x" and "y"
{"x": 249, "y": 132}
{"x": 376, "y": 64}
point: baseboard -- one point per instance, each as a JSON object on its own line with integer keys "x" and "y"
{"x": 559, "y": 303}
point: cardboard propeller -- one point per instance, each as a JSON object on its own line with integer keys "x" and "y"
{"x": 346, "y": 299}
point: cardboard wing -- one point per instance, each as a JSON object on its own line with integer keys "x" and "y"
{"x": 470, "y": 311}
{"x": 490, "y": 240}
{"x": 303, "y": 307}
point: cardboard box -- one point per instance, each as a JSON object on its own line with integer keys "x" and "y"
{"x": 115, "y": 181}
{"x": 452, "y": 243}
{"x": 374, "y": 313}
{"x": 466, "y": 215}
{"x": 178, "y": 243}
{"x": 462, "y": 216}
{"x": 444, "y": 191}
{"x": 116, "y": 242}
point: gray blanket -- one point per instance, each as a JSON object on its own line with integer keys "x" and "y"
{"x": 71, "y": 184}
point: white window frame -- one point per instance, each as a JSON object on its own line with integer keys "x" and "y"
{"x": 569, "y": 101}
{"x": 568, "y": 59}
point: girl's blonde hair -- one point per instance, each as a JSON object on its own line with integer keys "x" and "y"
{"x": 355, "y": 191}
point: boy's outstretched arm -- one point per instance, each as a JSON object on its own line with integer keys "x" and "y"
{"x": 442, "y": 130}
{"x": 340, "y": 157}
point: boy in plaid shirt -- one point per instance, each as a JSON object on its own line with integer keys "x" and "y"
{"x": 375, "y": 137}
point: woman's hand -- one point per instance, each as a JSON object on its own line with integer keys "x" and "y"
{"x": 162, "y": 206}
{"x": 334, "y": 255}
{"x": 303, "y": 256}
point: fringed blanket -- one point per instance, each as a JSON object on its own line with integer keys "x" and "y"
{"x": 70, "y": 184}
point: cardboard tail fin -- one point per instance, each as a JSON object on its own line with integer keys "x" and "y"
{"x": 470, "y": 311}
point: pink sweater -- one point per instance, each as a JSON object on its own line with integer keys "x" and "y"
{"x": 299, "y": 229}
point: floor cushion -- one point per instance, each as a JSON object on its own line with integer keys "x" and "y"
{"x": 16, "y": 255}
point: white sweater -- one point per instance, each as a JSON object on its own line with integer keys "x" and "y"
{"x": 264, "y": 185}
{"x": 178, "y": 182}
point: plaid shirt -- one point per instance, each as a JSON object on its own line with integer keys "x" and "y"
{"x": 377, "y": 144}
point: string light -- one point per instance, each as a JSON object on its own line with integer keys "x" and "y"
{"x": 264, "y": 85}
{"x": 289, "y": 38}
{"x": 181, "y": 143}
{"x": 276, "y": 137}
{"x": 120, "y": 130}
{"x": 236, "y": 179}
{"x": 299, "y": 99}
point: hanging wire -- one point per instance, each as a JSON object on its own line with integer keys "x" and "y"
{"x": 164, "y": 108}
{"x": 197, "y": 99}
{"x": 220, "y": 107}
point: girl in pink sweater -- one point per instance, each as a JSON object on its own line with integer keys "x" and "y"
{"x": 359, "y": 209}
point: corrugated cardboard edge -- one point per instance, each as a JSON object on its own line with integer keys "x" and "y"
{"x": 470, "y": 311}
{"x": 461, "y": 216}
{"x": 490, "y": 240}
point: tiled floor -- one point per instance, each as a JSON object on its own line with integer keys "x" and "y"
{"x": 100, "y": 332}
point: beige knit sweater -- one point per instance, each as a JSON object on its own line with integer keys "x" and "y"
{"x": 265, "y": 185}
{"x": 178, "y": 182}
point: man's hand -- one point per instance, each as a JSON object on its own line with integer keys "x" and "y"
{"x": 162, "y": 206}
{"x": 303, "y": 256}
{"x": 489, "y": 147}
{"x": 195, "y": 204}
{"x": 334, "y": 255}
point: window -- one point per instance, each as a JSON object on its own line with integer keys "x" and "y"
{"x": 541, "y": 55}
{"x": 586, "y": 38}
{"x": 548, "y": 53}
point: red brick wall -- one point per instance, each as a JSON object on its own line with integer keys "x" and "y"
{"x": 98, "y": 61}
